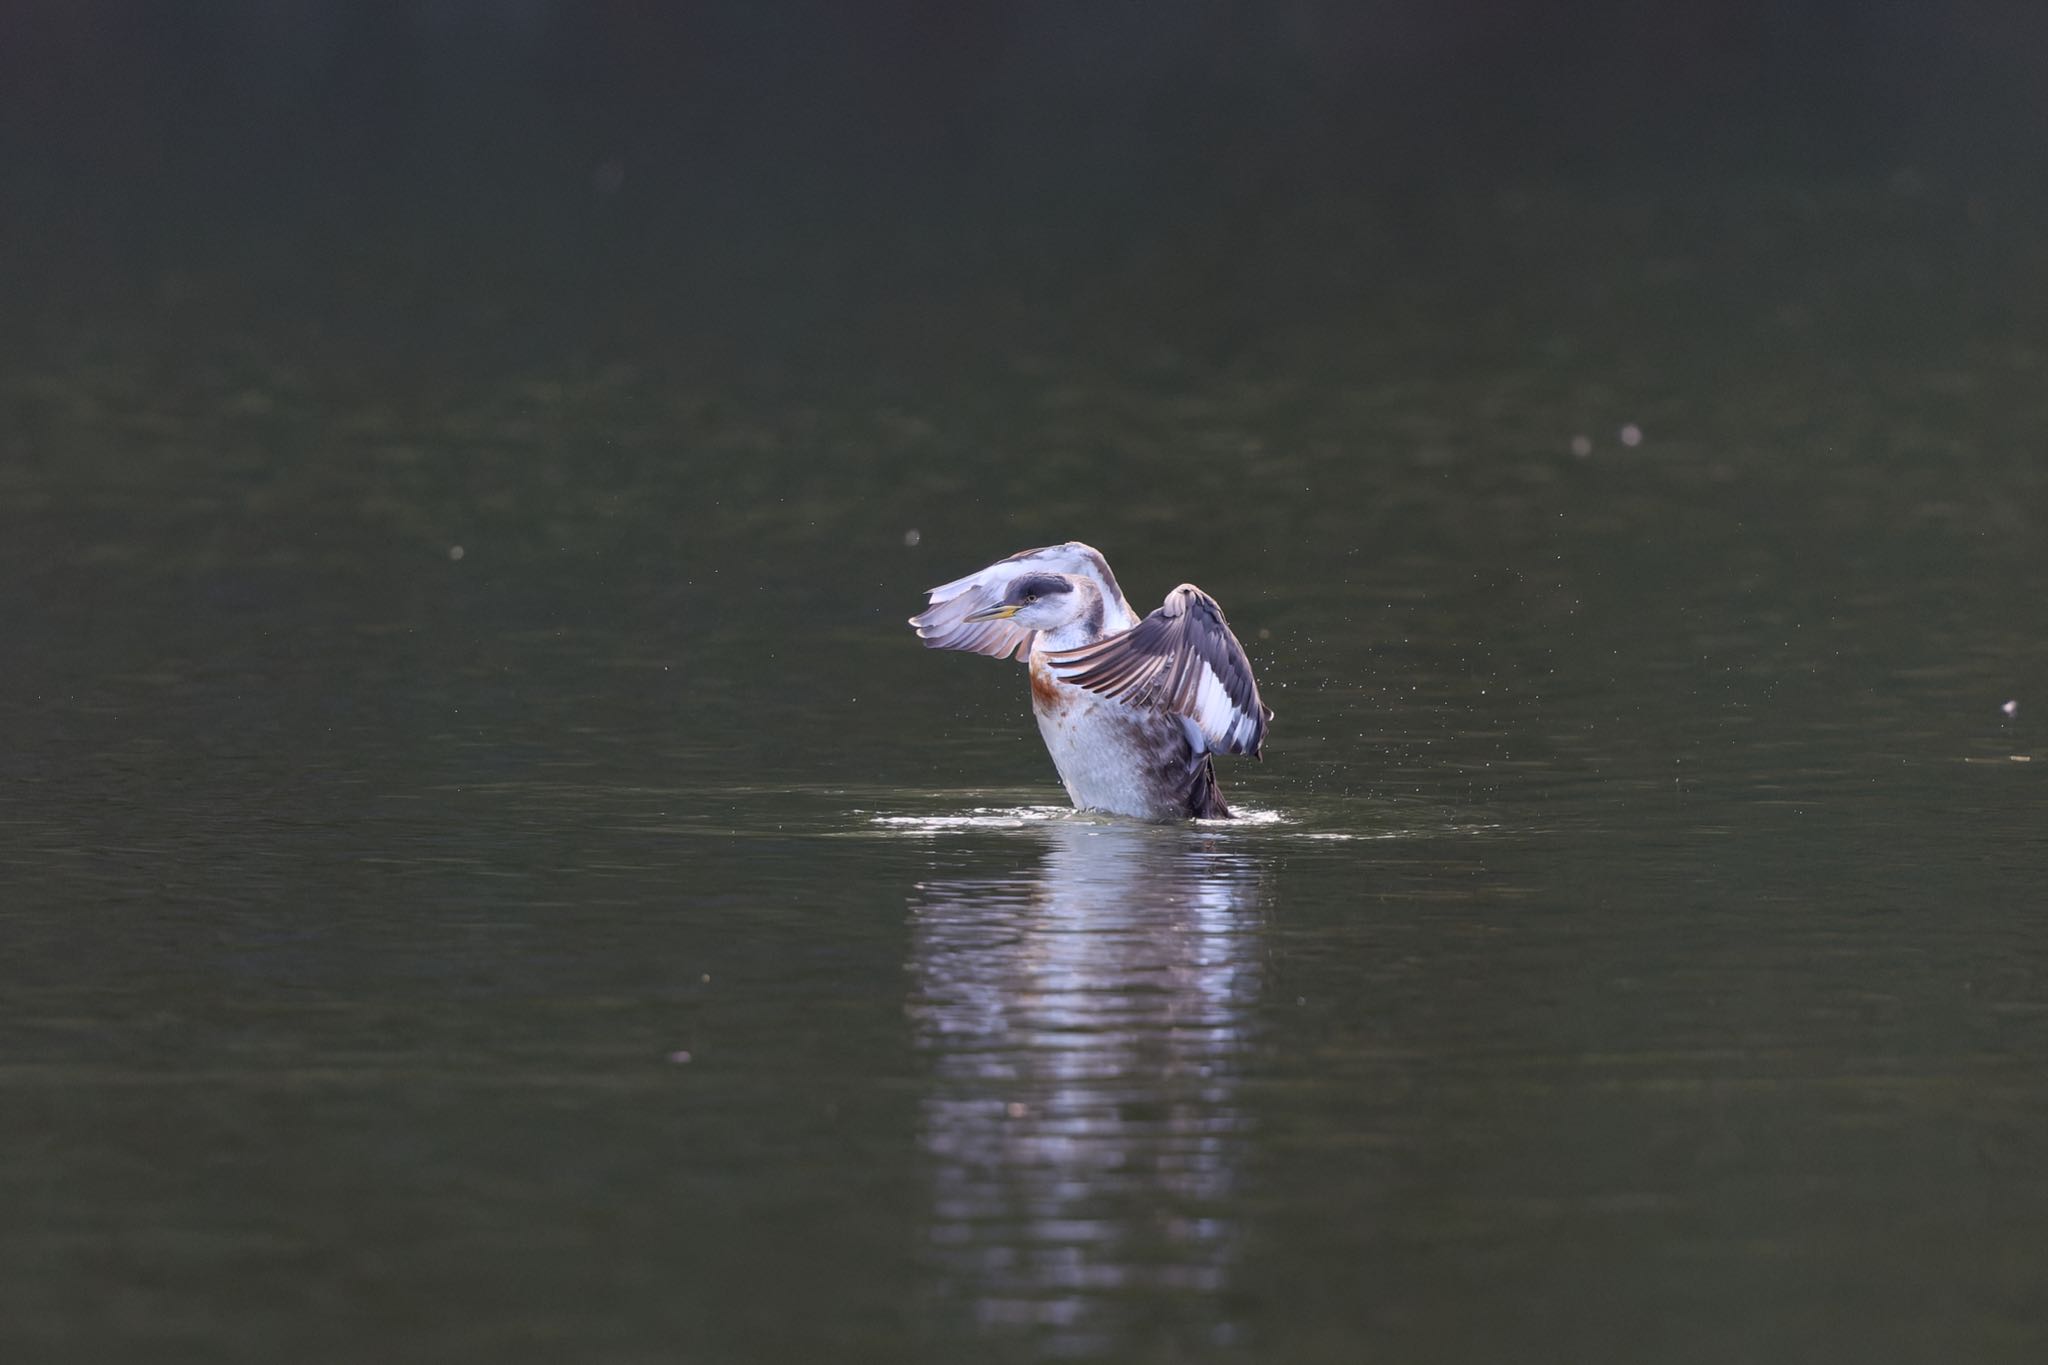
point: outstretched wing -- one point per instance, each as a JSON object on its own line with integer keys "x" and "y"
{"x": 944, "y": 624}
{"x": 1183, "y": 657}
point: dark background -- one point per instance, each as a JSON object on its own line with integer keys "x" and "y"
{"x": 464, "y": 469}
{"x": 623, "y": 145}
{"x": 271, "y": 100}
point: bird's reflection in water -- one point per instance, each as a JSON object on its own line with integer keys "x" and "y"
{"x": 1083, "y": 1130}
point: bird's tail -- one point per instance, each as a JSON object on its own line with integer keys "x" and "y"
{"x": 1205, "y": 798}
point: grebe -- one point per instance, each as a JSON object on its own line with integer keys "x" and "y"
{"x": 1131, "y": 710}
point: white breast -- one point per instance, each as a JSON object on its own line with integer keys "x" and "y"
{"x": 1111, "y": 757}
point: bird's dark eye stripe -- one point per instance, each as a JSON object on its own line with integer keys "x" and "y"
{"x": 1034, "y": 588}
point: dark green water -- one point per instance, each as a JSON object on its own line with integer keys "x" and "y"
{"x": 623, "y": 943}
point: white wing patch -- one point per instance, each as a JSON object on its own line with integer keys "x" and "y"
{"x": 1227, "y": 727}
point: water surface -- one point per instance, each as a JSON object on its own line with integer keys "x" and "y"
{"x": 619, "y": 941}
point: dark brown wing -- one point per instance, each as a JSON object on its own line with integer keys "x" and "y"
{"x": 1182, "y": 657}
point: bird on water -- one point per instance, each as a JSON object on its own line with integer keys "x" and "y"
{"x": 1131, "y": 710}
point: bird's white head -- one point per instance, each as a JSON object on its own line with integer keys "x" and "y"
{"x": 1049, "y": 602}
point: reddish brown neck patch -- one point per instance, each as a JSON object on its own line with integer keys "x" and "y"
{"x": 1043, "y": 690}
